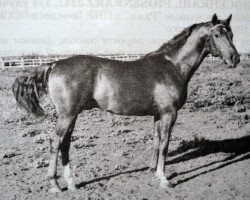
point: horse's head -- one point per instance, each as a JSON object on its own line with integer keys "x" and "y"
{"x": 221, "y": 41}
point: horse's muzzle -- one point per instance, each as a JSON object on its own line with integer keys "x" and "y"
{"x": 235, "y": 59}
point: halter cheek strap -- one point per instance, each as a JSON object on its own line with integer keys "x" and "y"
{"x": 213, "y": 49}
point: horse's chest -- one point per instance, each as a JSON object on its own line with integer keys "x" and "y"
{"x": 166, "y": 95}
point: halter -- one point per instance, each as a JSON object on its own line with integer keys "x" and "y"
{"x": 213, "y": 49}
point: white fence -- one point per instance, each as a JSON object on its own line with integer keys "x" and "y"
{"x": 26, "y": 62}
{"x": 243, "y": 57}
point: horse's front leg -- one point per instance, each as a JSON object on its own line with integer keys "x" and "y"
{"x": 167, "y": 122}
{"x": 157, "y": 137}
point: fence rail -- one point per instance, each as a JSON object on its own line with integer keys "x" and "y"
{"x": 29, "y": 62}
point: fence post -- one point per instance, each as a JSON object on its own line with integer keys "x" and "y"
{"x": 22, "y": 62}
{"x": 40, "y": 61}
{"x": 1, "y": 62}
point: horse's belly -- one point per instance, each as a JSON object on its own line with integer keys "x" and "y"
{"x": 123, "y": 103}
{"x": 123, "y": 107}
{"x": 116, "y": 98}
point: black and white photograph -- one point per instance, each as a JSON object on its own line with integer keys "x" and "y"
{"x": 125, "y": 99}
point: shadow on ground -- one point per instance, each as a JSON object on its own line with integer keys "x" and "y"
{"x": 238, "y": 150}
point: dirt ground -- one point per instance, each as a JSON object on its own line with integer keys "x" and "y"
{"x": 209, "y": 155}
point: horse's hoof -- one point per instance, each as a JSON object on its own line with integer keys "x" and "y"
{"x": 166, "y": 185}
{"x": 55, "y": 190}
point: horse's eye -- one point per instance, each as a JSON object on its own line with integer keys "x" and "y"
{"x": 217, "y": 35}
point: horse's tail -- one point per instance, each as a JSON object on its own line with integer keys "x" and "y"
{"x": 29, "y": 88}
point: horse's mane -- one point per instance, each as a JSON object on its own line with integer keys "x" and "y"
{"x": 177, "y": 41}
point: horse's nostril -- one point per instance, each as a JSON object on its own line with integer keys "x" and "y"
{"x": 232, "y": 57}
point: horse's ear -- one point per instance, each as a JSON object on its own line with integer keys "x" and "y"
{"x": 229, "y": 19}
{"x": 214, "y": 19}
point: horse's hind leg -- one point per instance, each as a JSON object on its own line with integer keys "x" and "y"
{"x": 65, "y": 146}
{"x": 60, "y": 139}
{"x": 70, "y": 92}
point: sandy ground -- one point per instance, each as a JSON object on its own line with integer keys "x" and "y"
{"x": 208, "y": 156}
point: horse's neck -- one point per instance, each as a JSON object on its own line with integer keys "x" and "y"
{"x": 188, "y": 57}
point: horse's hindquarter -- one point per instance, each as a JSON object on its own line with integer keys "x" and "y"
{"x": 71, "y": 84}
